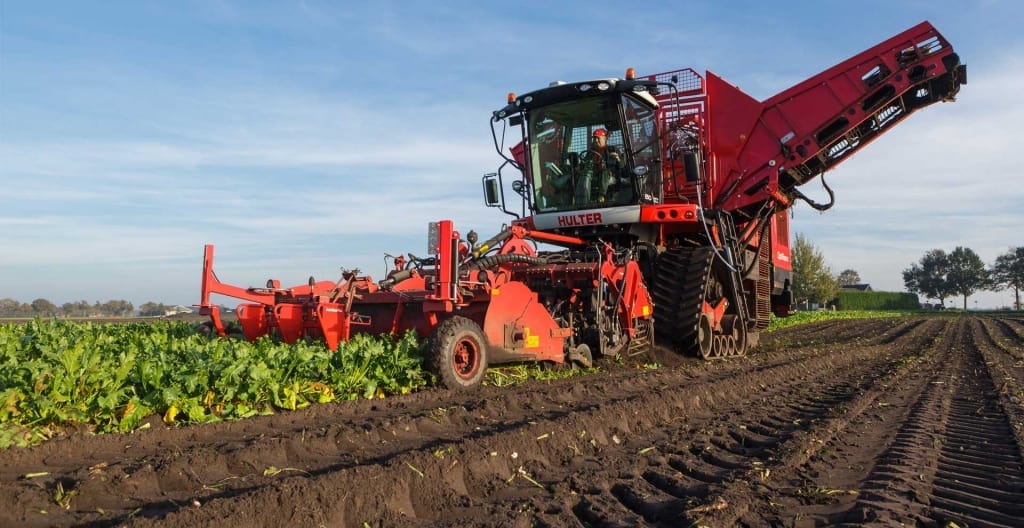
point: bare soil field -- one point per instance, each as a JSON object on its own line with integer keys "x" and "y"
{"x": 914, "y": 420}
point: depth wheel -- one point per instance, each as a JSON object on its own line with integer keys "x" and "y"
{"x": 206, "y": 330}
{"x": 581, "y": 358}
{"x": 458, "y": 354}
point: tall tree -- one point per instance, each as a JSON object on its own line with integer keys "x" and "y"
{"x": 43, "y": 307}
{"x": 928, "y": 276}
{"x": 117, "y": 308}
{"x": 812, "y": 278}
{"x": 967, "y": 273}
{"x": 152, "y": 309}
{"x": 84, "y": 308}
{"x": 848, "y": 277}
{"x": 1008, "y": 272}
{"x": 9, "y": 306}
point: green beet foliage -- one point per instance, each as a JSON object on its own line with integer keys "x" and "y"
{"x": 109, "y": 377}
{"x": 817, "y": 316}
{"x": 877, "y": 300}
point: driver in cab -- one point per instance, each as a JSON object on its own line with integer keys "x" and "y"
{"x": 603, "y": 156}
{"x": 606, "y": 164}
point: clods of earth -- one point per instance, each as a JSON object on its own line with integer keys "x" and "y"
{"x": 912, "y": 420}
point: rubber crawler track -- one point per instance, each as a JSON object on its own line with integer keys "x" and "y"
{"x": 678, "y": 293}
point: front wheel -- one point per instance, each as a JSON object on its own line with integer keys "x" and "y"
{"x": 458, "y": 353}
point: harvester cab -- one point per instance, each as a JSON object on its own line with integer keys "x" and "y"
{"x": 591, "y": 145}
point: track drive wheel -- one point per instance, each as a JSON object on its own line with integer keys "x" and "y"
{"x": 458, "y": 354}
{"x": 736, "y": 336}
{"x": 705, "y": 337}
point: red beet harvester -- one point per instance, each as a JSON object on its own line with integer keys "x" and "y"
{"x": 672, "y": 228}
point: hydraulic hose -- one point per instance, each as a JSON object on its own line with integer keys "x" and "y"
{"x": 816, "y": 205}
{"x": 509, "y": 258}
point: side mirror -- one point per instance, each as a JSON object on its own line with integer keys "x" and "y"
{"x": 492, "y": 190}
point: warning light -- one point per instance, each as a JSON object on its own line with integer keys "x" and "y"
{"x": 511, "y": 97}
{"x": 630, "y": 74}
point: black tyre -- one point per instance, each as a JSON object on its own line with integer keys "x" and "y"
{"x": 458, "y": 354}
{"x": 206, "y": 329}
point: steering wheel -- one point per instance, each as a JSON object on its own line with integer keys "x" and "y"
{"x": 590, "y": 155}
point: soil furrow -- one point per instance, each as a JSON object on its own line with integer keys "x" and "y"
{"x": 729, "y": 475}
{"x": 900, "y": 420}
{"x": 1004, "y": 358}
{"x": 958, "y": 481}
{"x": 604, "y": 431}
{"x": 802, "y": 483}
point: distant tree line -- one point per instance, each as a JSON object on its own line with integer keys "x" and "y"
{"x": 46, "y": 308}
{"x": 150, "y": 309}
{"x": 938, "y": 275}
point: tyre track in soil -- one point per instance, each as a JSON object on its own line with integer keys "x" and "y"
{"x": 839, "y": 331}
{"x": 1003, "y": 351}
{"x": 158, "y": 472}
{"x": 933, "y": 446}
{"x": 968, "y": 464}
{"x": 368, "y": 466}
{"x": 1010, "y": 336}
{"x": 512, "y": 474}
{"x": 735, "y": 459}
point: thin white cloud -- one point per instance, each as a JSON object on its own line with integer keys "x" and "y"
{"x": 303, "y": 138}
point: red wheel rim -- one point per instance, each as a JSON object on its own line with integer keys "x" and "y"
{"x": 465, "y": 358}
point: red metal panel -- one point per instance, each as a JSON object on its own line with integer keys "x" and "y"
{"x": 780, "y": 241}
{"x": 519, "y": 152}
{"x": 732, "y": 115}
{"x": 447, "y": 267}
{"x": 290, "y": 321}
{"x": 334, "y": 324}
{"x": 668, "y": 213}
{"x": 518, "y": 322}
{"x": 253, "y": 321}
{"x": 634, "y": 299}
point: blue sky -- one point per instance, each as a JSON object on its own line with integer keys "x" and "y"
{"x": 301, "y": 137}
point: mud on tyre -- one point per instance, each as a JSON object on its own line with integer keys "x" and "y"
{"x": 458, "y": 354}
